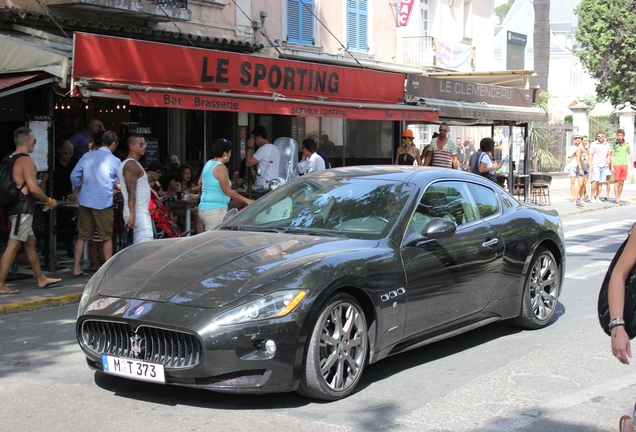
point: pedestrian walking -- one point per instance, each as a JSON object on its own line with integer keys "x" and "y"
{"x": 21, "y": 213}
{"x": 441, "y": 152}
{"x": 621, "y": 163}
{"x": 599, "y": 153}
{"x": 582, "y": 157}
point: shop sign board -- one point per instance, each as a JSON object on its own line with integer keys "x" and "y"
{"x": 128, "y": 61}
{"x": 280, "y": 106}
{"x": 440, "y": 88}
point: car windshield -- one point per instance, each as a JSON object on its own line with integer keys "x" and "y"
{"x": 359, "y": 208}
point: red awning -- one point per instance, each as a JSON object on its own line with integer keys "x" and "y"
{"x": 17, "y": 82}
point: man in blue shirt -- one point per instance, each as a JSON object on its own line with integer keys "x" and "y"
{"x": 81, "y": 139}
{"x": 96, "y": 175}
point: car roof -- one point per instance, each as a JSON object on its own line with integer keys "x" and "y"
{"x": 401, "y": 173}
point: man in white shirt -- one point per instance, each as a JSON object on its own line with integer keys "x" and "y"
{"x": 267, "y": 157}
{"x": 136, "y": 191}
{"x": 311, "y": 159}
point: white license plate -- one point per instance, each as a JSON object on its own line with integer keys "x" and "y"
{"x": 133, "y": 369}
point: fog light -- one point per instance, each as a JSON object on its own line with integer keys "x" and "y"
{"x": 270, "y": 347}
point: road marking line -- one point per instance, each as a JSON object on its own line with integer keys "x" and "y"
{"x": 578, "y": 249}
{"x": 597, "y": 228}
{"x": 578, "y": 222}
{"x": 588, "y": 270}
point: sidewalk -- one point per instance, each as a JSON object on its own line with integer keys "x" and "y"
{"x": 70, "y": 289}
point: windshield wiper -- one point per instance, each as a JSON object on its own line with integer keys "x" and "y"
{"x": 292, "y": 230}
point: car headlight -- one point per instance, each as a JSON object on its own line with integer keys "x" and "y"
{"x": 85, "y": 296}
{"x": 274, "y": 305}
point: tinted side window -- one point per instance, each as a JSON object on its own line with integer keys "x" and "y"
{"x": 449, "y": 200}
{"x": 486, "y": 199}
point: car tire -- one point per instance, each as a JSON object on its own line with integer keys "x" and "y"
{"x": 540, "y": 291}
{"x": 336, "y": 350}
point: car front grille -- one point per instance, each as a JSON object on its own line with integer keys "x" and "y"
{"x": 171, "y": 348}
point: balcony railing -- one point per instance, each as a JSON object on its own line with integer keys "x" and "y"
{"x": 148, "y": 10}
{"x": 180, "y": 4}
{"x": 418, "y": 51}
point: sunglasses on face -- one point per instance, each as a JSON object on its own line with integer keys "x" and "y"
{"x": 443, "y": 130}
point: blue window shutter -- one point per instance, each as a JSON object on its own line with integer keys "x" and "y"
{"x": 300, "y": 21}
{"x": 293, "y": 21}
{"x": 357, "y": 25}
{"x": 307, "y": 23}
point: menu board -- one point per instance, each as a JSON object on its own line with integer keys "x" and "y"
{"x": 40, "y": 126}
{"x": 152, "y": 150}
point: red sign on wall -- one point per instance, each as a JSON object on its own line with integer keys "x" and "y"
{"x": 404, "y": 12}
{"x": 128, "y": 61}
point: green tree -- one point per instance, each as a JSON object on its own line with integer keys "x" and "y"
{"x": 607, "y": 33}
{"x": 502, "y": 10}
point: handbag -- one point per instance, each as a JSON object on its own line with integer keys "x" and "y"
{"x": 629, "y": 312}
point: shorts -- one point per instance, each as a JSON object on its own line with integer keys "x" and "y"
{"x": 88, "y": 219}
{"x": 620, "y": 172}
{"x": 211, "y": 218}
{"x": 600, "y": 174}
{"x": 142, "y": 230}
{"x": 572, "y": 171}
{"x": 24, "y": 230}
{"x": 582, "y": 174}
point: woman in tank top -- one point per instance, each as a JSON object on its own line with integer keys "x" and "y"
{"x": 216, "y": 186}
{"x": 582, "y": 156}
{"x": 407, "y": 153}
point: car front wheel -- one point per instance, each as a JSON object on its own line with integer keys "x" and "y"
{"x": 541, "y": 291}
{"x": 336, "y": 350}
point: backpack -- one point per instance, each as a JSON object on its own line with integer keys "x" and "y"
{"x": 629, "y": 310}
{"x": 9, "y": 191}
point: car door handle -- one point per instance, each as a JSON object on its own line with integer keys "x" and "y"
{"x": 490, "y": 243}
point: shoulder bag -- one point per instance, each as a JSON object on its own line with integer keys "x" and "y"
{"x": 629, "y": 312}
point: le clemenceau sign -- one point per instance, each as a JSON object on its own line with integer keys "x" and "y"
{"x": 440, "y": 88}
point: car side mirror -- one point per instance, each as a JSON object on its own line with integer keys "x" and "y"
{"x": 439, "y": 228}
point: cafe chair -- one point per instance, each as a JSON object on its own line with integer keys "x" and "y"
{"x": 540, "y": 188}
{"x": 519, "y": 187}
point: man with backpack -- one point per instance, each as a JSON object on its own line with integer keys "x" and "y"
{"x": 20, "y": 207}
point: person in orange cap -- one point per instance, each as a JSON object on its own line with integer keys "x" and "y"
{"x": 407, "y": 154}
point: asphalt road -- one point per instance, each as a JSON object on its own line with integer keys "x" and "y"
{"x": 561, "y": 378}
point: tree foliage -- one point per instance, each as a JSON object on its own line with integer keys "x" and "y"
{"x": 607, "y": 33}
{"x": 502, "y": 10}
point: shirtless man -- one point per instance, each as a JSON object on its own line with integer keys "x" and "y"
{"x": 21, "y": 213}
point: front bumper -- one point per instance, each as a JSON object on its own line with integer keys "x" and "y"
{"x": 229, "y": 358}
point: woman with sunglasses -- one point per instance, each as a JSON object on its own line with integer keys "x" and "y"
{"x": 407, "y": 154}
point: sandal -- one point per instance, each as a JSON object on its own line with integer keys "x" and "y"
{"x": 94, "y": 267}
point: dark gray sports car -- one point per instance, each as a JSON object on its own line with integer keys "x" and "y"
{"x": 320, "y": 277}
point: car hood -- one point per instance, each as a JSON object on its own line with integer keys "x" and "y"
{"x": 214, "y": 268}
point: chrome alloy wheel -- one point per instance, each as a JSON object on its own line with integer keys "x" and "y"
{"x": 543, "y": 286}
{"x": 343, "y": 346}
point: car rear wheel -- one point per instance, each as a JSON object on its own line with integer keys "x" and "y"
{"x": 336, "y": 351}
{"x": 541, "y": 291}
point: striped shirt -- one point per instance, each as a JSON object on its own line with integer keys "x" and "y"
{"x": 442, "y": 158}
{"x": 599, "y": 153}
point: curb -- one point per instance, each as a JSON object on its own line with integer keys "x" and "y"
{"x": 631, "y": 200}
{"x": 40, "y": 303}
